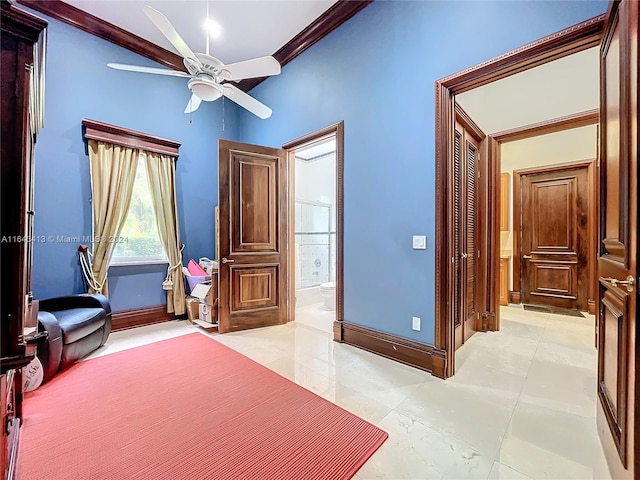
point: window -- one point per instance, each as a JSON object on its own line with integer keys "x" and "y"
{"x": 139, "y": 241}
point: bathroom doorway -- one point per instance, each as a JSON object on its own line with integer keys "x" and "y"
{"x": 315, "y": 230}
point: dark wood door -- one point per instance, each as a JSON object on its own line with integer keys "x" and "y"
{"x": 466, "y": 157}
{"x": 618, "y": 416}
{"x": 554, "y": 234}
{"x": 253, "y": 244}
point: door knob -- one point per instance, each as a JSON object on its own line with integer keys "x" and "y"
{"x": 226, "y": 260}
{"x": 526, "y": 257}
{"x": 629, "y": 282}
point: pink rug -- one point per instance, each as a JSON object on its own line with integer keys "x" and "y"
{"x": 187, "y": 408}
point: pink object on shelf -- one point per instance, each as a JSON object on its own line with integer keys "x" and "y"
{"x": 195, "y": 269}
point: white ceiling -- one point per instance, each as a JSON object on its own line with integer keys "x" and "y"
{"x": 316, "y": 150}
{"x": 556, "y": 89}
{"x": 250, "y": 28}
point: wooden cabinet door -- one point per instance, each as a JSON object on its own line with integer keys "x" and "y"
{"x": 617, "y": 416}
{"x": 253, "y": 243}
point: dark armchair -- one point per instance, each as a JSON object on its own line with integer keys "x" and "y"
{"x": 77, "y": 325}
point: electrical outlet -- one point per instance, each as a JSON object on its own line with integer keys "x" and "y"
{"x": 415, "y": 321}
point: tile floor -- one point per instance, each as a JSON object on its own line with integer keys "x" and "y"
{"x": 522, "y": 404}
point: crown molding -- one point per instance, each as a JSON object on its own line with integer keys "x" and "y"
{"x": 107, "y": 31}
{"x": 335, "y": 16}
{"x": 340, "y": 12}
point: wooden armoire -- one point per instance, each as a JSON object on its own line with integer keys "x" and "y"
{"x": 20, "y": 78}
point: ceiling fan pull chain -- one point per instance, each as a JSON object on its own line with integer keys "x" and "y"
{"x": 223, "y": 113}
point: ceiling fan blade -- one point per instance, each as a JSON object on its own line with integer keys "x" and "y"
{"x": 156, "y": 71}
{"x": 257, "y": 67}
{"x": 164, "y": 25}
{"x": 194, "y": 103}
{"x": 246, "y": 101}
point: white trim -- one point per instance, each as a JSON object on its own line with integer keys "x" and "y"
{"x": 127, "y": 261}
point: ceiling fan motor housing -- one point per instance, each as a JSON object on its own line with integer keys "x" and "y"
{"x": 208, "y": 64}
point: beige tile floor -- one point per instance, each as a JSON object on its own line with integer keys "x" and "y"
{"x": 522, "y": 404}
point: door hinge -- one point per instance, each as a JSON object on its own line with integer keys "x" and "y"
{"x": 478, "y": 174}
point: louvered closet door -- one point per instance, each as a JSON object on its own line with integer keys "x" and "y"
{"x": 457, "y": 228}
{"x": 469, "y": 235}
{"x": 465, "y": 255}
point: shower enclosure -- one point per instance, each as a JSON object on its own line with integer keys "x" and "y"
{"x": 315, "y": 250}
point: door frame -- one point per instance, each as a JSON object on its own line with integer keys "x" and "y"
{"x": 581, "y": 119}
{"x": 337, "y": 130}
{"x": 571, "y": 40}
{"x": 592, "y": 231}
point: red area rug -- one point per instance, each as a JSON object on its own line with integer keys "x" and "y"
{"x": 187, "y": 408}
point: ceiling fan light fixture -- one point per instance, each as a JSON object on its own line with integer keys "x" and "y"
{"x": 206, "y": 73}
{"x": 204, "y": 89}
{"x": 213, "y": 28}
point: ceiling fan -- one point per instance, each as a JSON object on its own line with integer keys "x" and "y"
{"x": 209, "y": 77}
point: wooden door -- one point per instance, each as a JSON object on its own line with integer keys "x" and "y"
{"x": 617, "y": 415}
{"x": 466, "y": 157}
{"x": 253, "y": 243}
{"x": 554, "y": 237}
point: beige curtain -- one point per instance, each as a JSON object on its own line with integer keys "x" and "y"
{"x": 113, "y": 172}
{"x": 161, "y": 172}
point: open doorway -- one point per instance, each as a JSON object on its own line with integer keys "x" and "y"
{"x": 315, "y": 229}
{"x": 545, "y": 213}
{"x": 548, "y": 214}
{"x": 616, "y": 35}
{"x": 509, "y": 97}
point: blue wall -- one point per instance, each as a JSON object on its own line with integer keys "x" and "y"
{"x": 377, "y": 73}
{"x": 80, "y": 85}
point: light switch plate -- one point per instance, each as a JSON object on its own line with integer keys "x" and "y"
{"x": 415, "y": 323}
{"x": 419, "y": 242}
